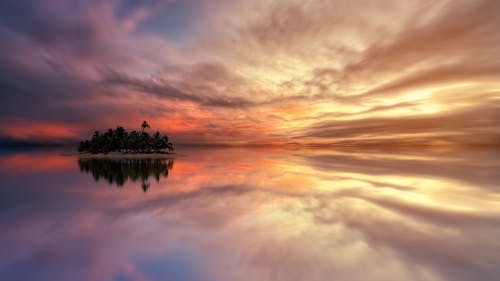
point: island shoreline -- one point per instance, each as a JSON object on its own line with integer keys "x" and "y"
{"x": 126, "y": 155}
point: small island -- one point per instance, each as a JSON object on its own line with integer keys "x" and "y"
{"x": 121, "y": 142}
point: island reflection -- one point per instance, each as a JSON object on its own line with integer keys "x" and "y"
{"x": 119, "y": 171}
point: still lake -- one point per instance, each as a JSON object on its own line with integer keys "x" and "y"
{"x": 251, "y": 214}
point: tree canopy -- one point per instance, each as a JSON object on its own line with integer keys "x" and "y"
{"x": 119, "y": 140}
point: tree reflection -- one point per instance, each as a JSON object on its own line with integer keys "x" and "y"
{"x": 119, "y": 171}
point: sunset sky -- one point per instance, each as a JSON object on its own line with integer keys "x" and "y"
{"x": 246, "y": 71}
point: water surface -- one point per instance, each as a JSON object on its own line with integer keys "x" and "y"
{"x": 252, "y": 214}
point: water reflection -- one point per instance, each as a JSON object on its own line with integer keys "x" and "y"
{"x": 249, "y": 215}
{"x": 119, "y": 171}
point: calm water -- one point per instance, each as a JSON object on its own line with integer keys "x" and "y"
{"x": 252, "y": 214}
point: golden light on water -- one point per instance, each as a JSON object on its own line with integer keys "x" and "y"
{"x": 280, "y": 213}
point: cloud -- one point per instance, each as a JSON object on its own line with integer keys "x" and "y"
{"x": 202, "y": 89}
{"x": 278, "y": 67}
{"x": 474, "y": 125}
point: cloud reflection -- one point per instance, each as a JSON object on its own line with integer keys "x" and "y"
{"x": 237, "y": 214}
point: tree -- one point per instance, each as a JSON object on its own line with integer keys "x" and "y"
{"x": 144, "y": 126}
{"x": 120, "y": 140}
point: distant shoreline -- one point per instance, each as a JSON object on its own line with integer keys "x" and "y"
{"x": 126, "y": 155}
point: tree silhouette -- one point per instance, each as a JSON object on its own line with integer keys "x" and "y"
{"x": 119, "y": 140}
{"x": 145, "y": 125}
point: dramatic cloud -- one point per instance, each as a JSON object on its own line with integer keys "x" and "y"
{"x": 259, "y": 71}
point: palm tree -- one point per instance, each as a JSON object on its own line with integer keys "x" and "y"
{"x": 170, "y": 147}
{"x": 166, "y": 144}
{"x": 156, "y": 143}
{"x": 120, "y": 140}
{"x": 144, "y": 126}
{"x": 134, "y": 141}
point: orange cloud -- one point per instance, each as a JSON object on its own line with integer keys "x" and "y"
{"x": 33, "y": 130}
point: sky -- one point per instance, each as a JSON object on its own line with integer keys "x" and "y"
{"x": 262, "y": 71}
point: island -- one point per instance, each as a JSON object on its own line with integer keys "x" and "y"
{"x": 121, "y": 142}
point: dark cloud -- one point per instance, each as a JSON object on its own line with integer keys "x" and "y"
{"x": 208, "y": 85}
{"x": 40, "y": 77}
{"x": 66, "y": 28}
{"x": 51, "y": 59}
{"x": 164, "y": 89}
